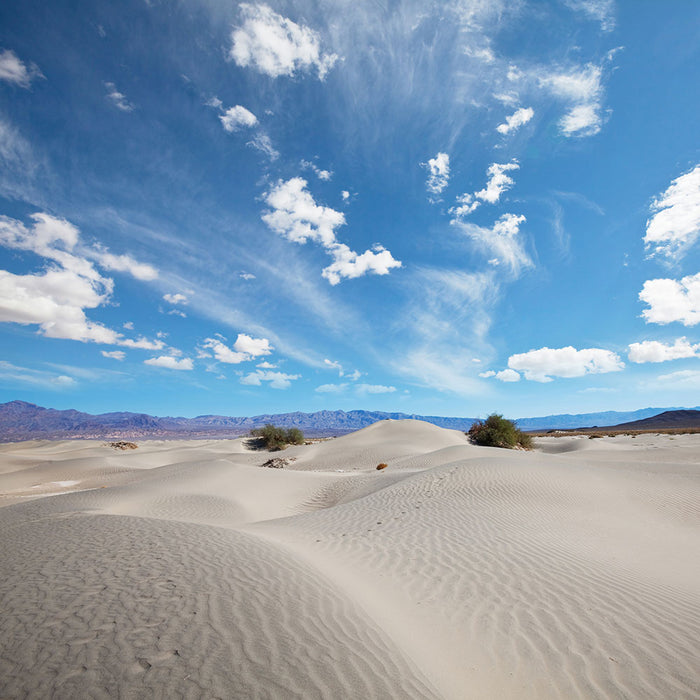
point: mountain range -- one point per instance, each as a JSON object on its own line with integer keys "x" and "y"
{"x": 20, "y": 420}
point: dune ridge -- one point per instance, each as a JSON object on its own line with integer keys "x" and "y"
{"x": 185, "y": 569}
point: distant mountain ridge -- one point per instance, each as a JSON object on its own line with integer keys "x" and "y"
{"x": 20, "y": 420}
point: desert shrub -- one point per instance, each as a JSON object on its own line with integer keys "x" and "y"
{"x": 273, "y": 438}
{"x": 497, "y": 431}
{"x": 382, "y": 465}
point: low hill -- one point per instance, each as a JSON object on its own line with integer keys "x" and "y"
{"x": 667, "y": 420}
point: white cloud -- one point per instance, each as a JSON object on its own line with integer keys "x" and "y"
{"x": 543, "y": 364}
{"x": 45, "y": 380}
{"x": 277, "y": 380}
{"x": 354, "y": 376}
{"x": 672, "y": 300}
{"x": 295, "y": 215}
{"x": 334, "y": 365}
{"x": 114, "y": 354}
{"x": 236, "y": 117}
{"x": 123, "y": 263}
{"x": 582, "y": 120}
{"x": 502, "y": 241}
{"x": 345, "y": 195}
{"x": 266, "y": 365}
{"x": 598, "y": 10}
{"x": 350, "y": 265}
{"x": 498, "y": 181}
{"x": 582, "y": 89}
{"x": 118, "y": 99}
{"x": 687, "y": 379}
{"x": 508, "y": 375}
{"x": 676, "y": 224}
{"x": 13, "y": 70}
{"x": 331, "y": 388}
{"x": 488, "y": 374}
{"x": 277, "y": 46}
{"x": 254, "y": 347}
{"x": 247, "y": 276}
{"x": 56, "y": 298}
{"x": 214, "y": 102}
{"x": 374, "y": 389}
{"x": 516, "y": 120}
{"x": 175, "y": 298}
{"x": 655, "y": 351}
{"x": 169, "y": 362}
{"x": 261, "y": 142}
{"x": 439, "y": 174}
{"x": 244, "y": 349}
{"x": 320, "y": 174}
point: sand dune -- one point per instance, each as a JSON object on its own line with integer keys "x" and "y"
{"x": 185, "y": 569}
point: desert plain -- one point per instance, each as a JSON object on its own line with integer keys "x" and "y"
{"x": 186, "y": 569}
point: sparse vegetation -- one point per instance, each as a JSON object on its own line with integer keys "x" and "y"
{"x": 273, "y": 438}
{"x": 497, "y": 431}
{"x": 382, "y": 465}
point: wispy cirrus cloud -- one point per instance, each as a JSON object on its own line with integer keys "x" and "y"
{"x": 14, "y": 70}
{"x": 118, "y": 99}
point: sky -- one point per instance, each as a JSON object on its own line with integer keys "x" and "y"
{"x": 444, "y": 208}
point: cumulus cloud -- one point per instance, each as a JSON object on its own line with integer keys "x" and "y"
{"x": 114, "y": 354}
{"x": 331, "y": 388}
{"x": 118, "y": 99}
{"x": 175, "y": 298}
{"x": 244, "y": 349}
{"x": 374, "y": 389}
{"x": 56, "y": 298}
{"x": 502, "y": 241}
{"x": 13, "y": 70}
{"x": 438, "y": 174}
{"x": 498, "y": 182}
{"x": 276, "y": 46}
{"x": 294, "y": 214}
{"x": 277, "y": 380}
{"x": 247, "y": 276}
{"x": 544, "y": 364}
{"x": 672, "y": 300}
{"x": 655, "y": 351}
{"x": 170, "y": 362}
{"x": 237, "y": 117}
{"x": 320, "y": 173}
{"x": 675, "y": 225}
{"x": 582, "y": 90}
{"x": 519, "y": 118}
{"x": 507, "y": 375}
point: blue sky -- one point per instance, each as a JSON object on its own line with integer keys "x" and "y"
{"x": 445, "y": 208}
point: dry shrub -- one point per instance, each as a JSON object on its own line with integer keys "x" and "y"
{"x": 382, "y": 465}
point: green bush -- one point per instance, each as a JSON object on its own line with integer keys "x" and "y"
{"x": 497, "y": 431}
{"x": 273, "y": 438}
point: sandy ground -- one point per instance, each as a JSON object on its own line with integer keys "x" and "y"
{"x": 185, "y": 569}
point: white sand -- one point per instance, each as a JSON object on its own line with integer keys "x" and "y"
{"x": 184, "y": 569}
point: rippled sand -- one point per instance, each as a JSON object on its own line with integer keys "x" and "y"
{"x": 185, "y": 569}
